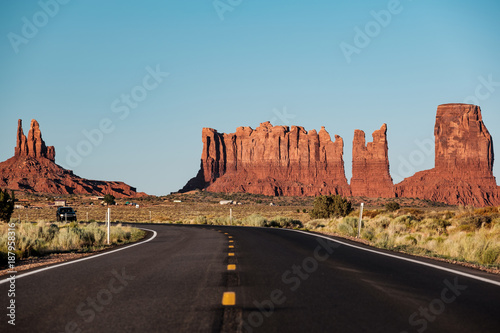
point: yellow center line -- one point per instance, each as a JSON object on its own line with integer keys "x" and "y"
{"x": 230, "y": 236}
{"x": 231, "y": 241}
{"x": 231, "y": 254}
{"x": 229, "y": 298}
{"x": 231, "y": 246}
{"x": 231, "y": 267}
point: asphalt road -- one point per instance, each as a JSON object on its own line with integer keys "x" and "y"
{"x": 283, "y": 281}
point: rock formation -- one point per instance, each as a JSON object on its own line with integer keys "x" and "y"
{"x": 370, "y": 166}
{"x": 33, "y": 169}
{"x": 463, "y": 172}
{"x": 33, "y": 146}
{"x": 291, "y": 161}
{"x": 271, "y": 160}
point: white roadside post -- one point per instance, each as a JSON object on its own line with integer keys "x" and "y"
{"x": 109, "y": 214}
{"x": 87, "y": 217}
{"x": 360, "y": 219}
{"x": 230, "y": 216}
{"x": 149, "y": 216}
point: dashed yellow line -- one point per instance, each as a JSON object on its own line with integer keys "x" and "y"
{"x": 231, "y": 246}
{"x": 231, "y": 254}
{"x": 229, "y": 298}
{"x": 231, "y": 267}
{"x": 230, "y": 236}
{"x": 231, "y": 241}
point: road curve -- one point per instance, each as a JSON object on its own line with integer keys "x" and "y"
{"x": 283, "y": 281}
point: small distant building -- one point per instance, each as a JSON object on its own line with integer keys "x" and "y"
{"x": 60, "y": 203}
{"x": 226, "y": 202}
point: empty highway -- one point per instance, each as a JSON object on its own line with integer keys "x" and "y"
{"x": 271, "y": 280}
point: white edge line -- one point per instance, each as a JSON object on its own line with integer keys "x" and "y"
{"x": 402, "y": 258}
{"x": 81, "y": 259}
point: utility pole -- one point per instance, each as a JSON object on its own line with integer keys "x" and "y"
{"x": 109, "y": 218}
{"x": 360, "y": 219}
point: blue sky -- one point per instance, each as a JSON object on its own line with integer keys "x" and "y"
{"x": 69, "y": 65}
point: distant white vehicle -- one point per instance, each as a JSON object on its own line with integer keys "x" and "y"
{"x": 226, "y": 202}
{"x": 177, "y": 201}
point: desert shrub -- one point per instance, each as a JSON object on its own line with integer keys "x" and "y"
{"x": 109, "y": 199}
{"x": 346, "y": 229}
{"x": 368, "y": 234}
{"x": 382, "y": 222}
{"x": 392, "y": 206}
{"x": 448, "y": 215}
{"x": 353, "y": 221}
{"x": 397, "y": 226}
{"x": 255, "y": 220}
{"x": 383, "y": 240}
{"x": 201, "y": 220}
{"x": 411, "y": 240}
{"x": 406, "y": 220}
{"x": 326, "y": 206}
{"x": 6, "y": 205}
{"x": 285, "y": 222}
{"x": 222, "y": 221}
{"x": 439, "y": 225}
{"x": 315, "y": 224}
{"x": 490, "y": 255}
{"x": 474, "y": 222}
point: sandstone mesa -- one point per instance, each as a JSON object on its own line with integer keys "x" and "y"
{"x": 33, "y": 169}
{"x": 290, "y": 161}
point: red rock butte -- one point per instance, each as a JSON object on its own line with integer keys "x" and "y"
{"x": 463, "y": 172}
{"x": 279, "y": 160}
{"x": 33, "y": 169}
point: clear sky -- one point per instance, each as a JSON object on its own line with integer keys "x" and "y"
{"x": 142, "y": 78}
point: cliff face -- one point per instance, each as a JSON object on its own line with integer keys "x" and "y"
{"x": 370, "y": 166}
{"x": 463, "y": 172}
{"x": 32, "y": 169}
{"x": 33, "y": 146}
{"x": 291, "y": 161}
{"x": 272, "y": 160}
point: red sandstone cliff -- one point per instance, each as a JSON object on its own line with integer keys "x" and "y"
{"x": 282, "y": 161}
{"x": 463, "y": 172}
{"x": 370, "y": 166}
{"x": 32, "y": 169}
{"x": 272, "y": 160}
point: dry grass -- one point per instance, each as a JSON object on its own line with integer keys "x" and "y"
{"x": 37, "y": 239}
{"x": 470, "y": 236}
